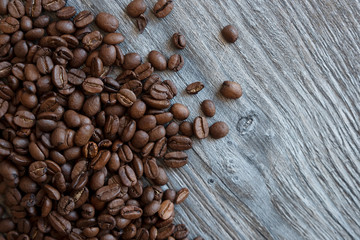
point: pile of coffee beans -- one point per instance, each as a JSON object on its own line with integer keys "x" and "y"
{"x": 82, "y": 153}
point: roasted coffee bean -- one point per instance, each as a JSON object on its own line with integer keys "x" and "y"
{"x": 230, "y": 33}
{"x": 158, "y": 91}
{"x": 179, "y": 40}
{"x": 175, "y": 159}
{"x": 5, "y": 69}
{"x": 92, "y": 40}
{"x": 59, "y": 76}
{"x": 96, "y": 67}
{"x": 9, "y": 25}
{"x": 24, "y": 119}
{"x": 160, "y": 148}
{"x": 138, "y": 109}
{"x": 16, "y": 9}
{"x": 172, "y": 88}
{"x": 231, "y": 90}
{"x": 200, "y": 127}
{"x": 126, "y": 97}
{"x": 71, "y": 40}
{"x": 84, "y": 134}
{"x": 59, "y": 223}
{"x": 65, "y": 205}
{"x": 76, "y": 76}
{"x": 131, "y": 212}
{"x": 166, "y": 209}
{"x": 52, "y": 42}
{"x": 208, "y": 108}
{"x": 93, "y": 85}
{"x": 158, "y": 60}
{"x": 152, "y": 208}
{"x": 4, "y": 106}
{"x": 66, "y": 12}
{"x": 194, "y": 87}
{"x": 141, "y": 23}
{"x": 45, "y": 65}
{"x": 107, "y": 54}
{"x": 131, "y": 61}
{"x": 53, "y": 5}
{"x": 135, "y": 8}
{"x": 83, "y": 19}
{"x": 65, "y": 26}
{"x": 165, "y": 232}
{"x": 151, "y": 169}
{"x": 108, "y": 193}
{"x": 106, "y": 222}
{"x": 114, "y": 38}
{"x": 100, "y": 160}
{"x": 42, "y": 21}
{"x": 219, "y": 130}
{"x": 181, "y": 195}
{"x": 144, "y": 71}
{"x": 107, "y": 22}
{"x": 179, "y": 143}
{"x": 26, "y": 24}
{"x": 3, "y": 7}
{"x": 163, "y": 8}
{"x": 186, "y": 128}
{"x": 155, "y": 103}
{"x": 127, "y": 176}
{"x": 180, "y": 232}
{"x": 172, "y": 129}
{"x": 176, "y": 62}
{"x": 180, "y": 111}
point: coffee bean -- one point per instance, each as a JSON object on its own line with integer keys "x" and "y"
{"x": 100, "y": 160}
{"x": 4, "y": 106}
{"x": 66, "y": 12}
{"x": 176, "y": 62}
{"x": 127, "y": 176}
{"x": 93, "y": 85}
{"x": 230, "y": 33}
{"x": 208, "y": 108}
{"x": 65, "y": 26}
{"x": 181, "y": 195}
{"x": 151, "y": 169}
{"x": 171, "y": 87}
{"x": 126, "y": 97}
{"x": 194, "y": 87}
{"x": 166, "y": 209}
{"x": 83, "y": 19}
{"x": 45, "y": 65}
{"x": 53, "y": 5}
{"x": 231, "y": 90}
{"x": 165, "y": 232}
{"x": 151, "y": 208}
{"x": 131, "y": 61}
{"x": 155, "y": 103}
{"x": 200, "y": 127}
{"x": 158, "y": 60}
{"x": 24, "y": 119}
{"x": 163, "y": 8}
{"x": 179, "y": 40}
{"x": 179, "y": 143}
{"x": 135, "y": 8}
{"x": 107, "y": 54}
{"x": 144, "y": 71}
{"x": 59, "y": 223}
{"x": 108, "y": 193}
{"x": 107, "y": 22}
{"x": 9, "y": 25}
{"x": 138, "y": 109}
{"x": 114, "y": 38}
{"x": 97, "y": 67}
{"x": 180, "y": 111}
{"x": 42, "y": 21}
{"x": 16, "y": 9}
{"x": 175, "y": 159}
{"x": 71, "y": 40}
{"x": 131, "y": 212}
{"x": 59, "y": 76}
{"x": 3, "y": 7}
{"x": 141, "y": 23}
{"x": 92, "y": 40}
{"x": 160, "y": 147}
{"x": 219, "y": 130}
{"x": 180, "y": 231}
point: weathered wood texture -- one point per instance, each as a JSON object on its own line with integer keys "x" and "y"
{"x": 289, "y": 169}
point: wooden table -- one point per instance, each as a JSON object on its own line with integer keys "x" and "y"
{"x": 289, "y": 168}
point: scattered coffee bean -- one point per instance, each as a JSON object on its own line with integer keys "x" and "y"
{"x": 163, "y": 8}
{"x": 176, "y": 62}
{"x": 179, "y": 40}
{"x": 231, "y": 90}
{"x": 208, "y": 108}
{"x": 107, "y": 22}
{"x": 180, "y": 111}
{"x": 230, "y": 33}
{"x": 200, "y": 127}
{"x": 194, "y": 87}
{"x": 135, "y": 8}
{"x": 141, "y": 23}
{"x": 219, "y": 130}
{"x": 157, "y": 60}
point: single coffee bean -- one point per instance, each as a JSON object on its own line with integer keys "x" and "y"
{"x": 114, "y": 38}
{"x": 4, "y": 106}
{"x": 59, "y": 223}
{"x": 66, "y": 12}
{"x": 219, "y": 130}
{"x": 65, "y": 205}
{"x": 208, "y": 108}
{"x": 230, "y": 33}
{"x": 194, "y": 87}
{"x": 65, "y": 26}
{"x": 155, "y": 103}
{"x": 165, "y": 232}
{"x": 106, "y": 222}
{"x": 5, "y": 69}
{"x": 83, "y": 135}
{"x": 138, "y": 109}
{"x": 107, "y": 22}
{"x": 131, "y": 212}
{"x": 231, "y": 90}
{"x": 160, "y": 147}
{"x": 126, "y": 97}
{"x": 166, "y": 209}
{"x": 179, "y": 143}
{"x": 141, "y": 23}
{"x": 83, "y": 18}
{"x": 151, "y": 208}
{"x": 33, "y": 8}
{"x": 53, "y": 5}
{"x": 79, "y": 59}
{"x": 52, "y": 42}
{"x": 26, "y": 23}
{"x": 131, "y": 61}
{"x": 76, "y": 76}
{"x": 71, "y": 40}
{"x": 127, "y": 176}
{"x": 144, "y": 71}
{"x": 179, "y": 40}
{"x": 181, "y": 195}
{"x": 93, "y": 85}
{"x": 42, "y": 21}
{"x": 175, "y": 159}
{"x": 163, "y": 8}
{"x": 9, "y": 25}
{"x": 169, "y": 194}
{"x": 3, "y": 7}
{"x": 151, "y": 169}
{"x": 97, "y": 67}
{"x": 200, "y": 127}
{"x": 100, "y": 160}
{"x": 24, "y": 119}
{"x": 157, "y": 60}
{"x": 45, "y": 65}
{"x": 107, "y": 54}
{"x": 180, "y": 232}
{"x": 16, "y": 9}
{"x": 59, "y": 76}
{"x": 108, "y": 193}
{"x": 176, "y": 62}
{"x": 135, "y": 8}
{"x": 92, "y": 40}
{"x": 180, "y": 111}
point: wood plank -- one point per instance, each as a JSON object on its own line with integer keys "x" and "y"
{"x": 289, "y": 169}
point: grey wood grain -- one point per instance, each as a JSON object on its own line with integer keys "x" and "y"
{"x": 289, "y": 168}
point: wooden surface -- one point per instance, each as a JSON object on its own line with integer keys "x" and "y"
{"x": 289, "y": 169}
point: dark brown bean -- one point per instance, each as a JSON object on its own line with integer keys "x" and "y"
{"x": 179, "y": 40}
{"x": 158, "y": 60}
{"x": 208, "y": 108}
{"x": 179, "y": 143}
{"x": 230, "y": 33}
{"x": 200, "y": 127}
{"x": 194, "y": 88}
{"x": 231, "y": 90}
{"x": 175, "y": 159}
{"x": 219, "y": 130}
{"x": 66, "y": 12}
{"x": 176, "y": 62}
{"x": 163, "y": 8}
{"x": 107, "y": 22}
